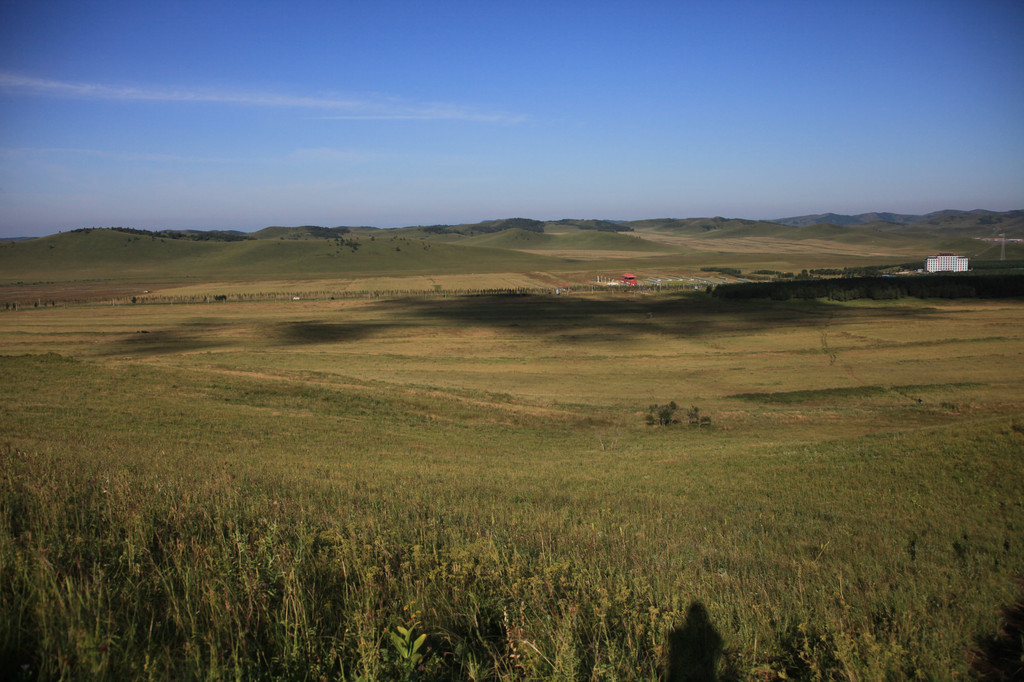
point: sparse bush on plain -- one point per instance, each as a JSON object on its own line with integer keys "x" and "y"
{"x": 662, "y": 415}
{"x": 695, "y": 418}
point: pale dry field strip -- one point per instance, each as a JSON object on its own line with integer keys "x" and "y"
{"x": 630, "y": 358}
{"x": 423, "y": 283}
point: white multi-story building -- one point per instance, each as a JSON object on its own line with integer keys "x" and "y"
{"x": 946, "y": 262}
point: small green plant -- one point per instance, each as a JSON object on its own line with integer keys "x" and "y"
{"x": 408, "y": 648}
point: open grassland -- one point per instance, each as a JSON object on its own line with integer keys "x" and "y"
{"x": 102, "y": 261}
{"x": 246, "y": 490}
{"x": 368, "y": 285}
{"x": 103, "y": 254}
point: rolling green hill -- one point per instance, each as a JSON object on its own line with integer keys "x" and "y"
{"x": 694, "y": 226}
{"x": 508, "y": 245}
{"x": 586, "y": 225}
{"x": 302, "y": 232}
{"x": 976, "y": 223}
{"x": 940, "y": 225}
{"x": 873, "y": 236}
{"x": 109, "y": 254}
{"x": 849, "y": 235}
{"x": 580, "y": 240}
{"x": 456, "y": 232}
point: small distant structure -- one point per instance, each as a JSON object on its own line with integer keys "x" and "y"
{"x": 946, "y": 262}
{"x": 628, "y": 279}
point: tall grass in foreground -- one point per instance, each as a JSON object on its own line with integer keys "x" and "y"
{"x": 220, "y": 530}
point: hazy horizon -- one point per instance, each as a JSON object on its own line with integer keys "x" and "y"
{"x": 251, "y": 230}
{"x": 237, "y": 116}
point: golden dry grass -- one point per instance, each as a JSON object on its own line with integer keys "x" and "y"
{"x": 271, "y": 488}
{"x": 621, "y": 352}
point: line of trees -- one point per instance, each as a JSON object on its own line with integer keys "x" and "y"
{"x": 192, "y": 235}
{"x": 325, "y": 232}
{"x": 879, "y": 288}
{"x": 488, "y": 227}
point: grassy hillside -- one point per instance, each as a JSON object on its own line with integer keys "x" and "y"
{"x": 99, "y": 254}
{"x": 580, "y": 240}
{"x": 976, "y": 223}
{"x": 696, "y": 226}
{"x": 302, "y": 232}
{"x": 107, "y": 254}
{"x": 563, "y": 251}
{"x": 721, "y": 228}
{"x": 939, "y": 225}
{"x": 1010, "y": 222}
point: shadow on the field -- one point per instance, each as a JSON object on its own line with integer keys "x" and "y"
{"x": 695, "y": 651}
{"x": 1000, "y": 656}
{"x": 569, "y": 319}
{"x": 578, "y": 317}
{"x": 199, "y": 336}
{"x": 312, "y": 332}
{"x": 183, "y": 339}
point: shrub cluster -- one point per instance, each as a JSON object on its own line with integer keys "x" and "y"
{"x": 664, "y": 415}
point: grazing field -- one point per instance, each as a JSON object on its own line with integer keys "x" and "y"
{"x": 301, "y": 489}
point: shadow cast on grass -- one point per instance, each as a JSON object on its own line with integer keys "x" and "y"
{"x": 198, "y": 336}
{"x": 313, "y": 332}
{"x": 185, "y": 339}
{"x": 695, "y": 651}
{"x": 682, "y": 316}
{"x": 1000, "y": 656}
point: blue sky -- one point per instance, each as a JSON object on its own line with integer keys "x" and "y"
{"x": 239, "y": 115}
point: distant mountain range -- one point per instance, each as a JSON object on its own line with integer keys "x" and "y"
{"x": 935, "y": 218}
{"x": 978, "y": 223}
{"x": 503, "y": 246}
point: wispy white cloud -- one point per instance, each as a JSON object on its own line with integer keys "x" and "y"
{"x": 332, "y": 107}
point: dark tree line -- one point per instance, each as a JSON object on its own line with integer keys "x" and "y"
{"x": 879, "y": 288}
{"x": 596, "y": 225}
{"x": 735, "y": 272}
{"x": 192, "y": 235}
{"x": 488, "y": 227}
{"x": 325, "y": 232}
